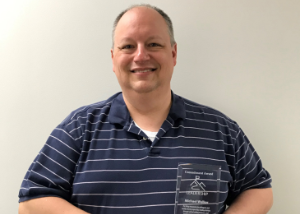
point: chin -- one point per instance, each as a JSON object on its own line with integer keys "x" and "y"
{"x": 144, "y": 90}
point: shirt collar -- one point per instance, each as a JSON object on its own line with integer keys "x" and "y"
{"x": 119, "y": 113}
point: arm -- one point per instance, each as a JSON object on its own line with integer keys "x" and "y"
{"x": 48, "y": 183}
{"x": 250, "y": 192}
{"x": 253, "y": 201}
{"x": 48, "y": 205}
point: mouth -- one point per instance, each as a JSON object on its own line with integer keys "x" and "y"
{"x": 143, "y": 70}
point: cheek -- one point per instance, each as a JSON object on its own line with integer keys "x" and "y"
{"x": 165, "y": 60}
{"x": 123, "y": 62}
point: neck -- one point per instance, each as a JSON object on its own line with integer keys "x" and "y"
{"x": 148, "y": 110}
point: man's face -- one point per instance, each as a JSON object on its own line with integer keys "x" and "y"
{"x": 143, "y": 58}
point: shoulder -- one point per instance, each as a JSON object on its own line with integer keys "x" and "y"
{"x": 91, "y": 110}
{"x": 200, "y": 111}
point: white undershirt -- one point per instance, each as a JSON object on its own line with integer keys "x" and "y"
{"x": 151, "y": 135}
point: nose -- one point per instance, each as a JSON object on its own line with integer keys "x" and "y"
{"x": 141, "y": 54}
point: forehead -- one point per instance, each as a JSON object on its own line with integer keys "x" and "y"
{"x": 141, "y": 19}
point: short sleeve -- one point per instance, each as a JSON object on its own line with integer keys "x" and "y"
{"x": 249, "y": 172}
{"x": 52, "y": 171}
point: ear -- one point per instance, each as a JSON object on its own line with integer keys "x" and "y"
{"x": 112, "y": 58}
{"x": 112, "y": 53}
{"x": 174, "y": 53}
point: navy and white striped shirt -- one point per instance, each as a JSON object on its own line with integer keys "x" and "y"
{"x": 100, "y": 161}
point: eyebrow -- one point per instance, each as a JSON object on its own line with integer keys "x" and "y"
{"x": 126, "y": 39}
{"x": 154, "y": 37}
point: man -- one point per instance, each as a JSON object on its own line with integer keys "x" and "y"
{"x": 121, "y": 155}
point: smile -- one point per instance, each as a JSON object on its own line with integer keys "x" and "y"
{"x": 143, "y": 71}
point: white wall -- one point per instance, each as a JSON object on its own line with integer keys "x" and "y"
{"x": 241, "y": 57}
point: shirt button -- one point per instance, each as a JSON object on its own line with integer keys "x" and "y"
{"x": 144, "y": 138}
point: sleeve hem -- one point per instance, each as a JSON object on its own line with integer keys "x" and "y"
{"x": 27, "y": 198}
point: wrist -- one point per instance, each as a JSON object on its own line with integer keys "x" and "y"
{"x": 230, "y": 212}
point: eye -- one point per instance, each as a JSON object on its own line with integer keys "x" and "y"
{"x": 126, "y": 47}
{"x": 154, "y": 45}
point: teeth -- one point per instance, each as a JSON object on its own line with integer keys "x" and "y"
{"x": 142, "y": 71}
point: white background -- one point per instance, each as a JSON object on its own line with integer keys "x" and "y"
{"x": 240, "y": 57}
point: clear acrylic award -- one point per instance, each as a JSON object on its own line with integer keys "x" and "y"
{"x": 197, "y": 190}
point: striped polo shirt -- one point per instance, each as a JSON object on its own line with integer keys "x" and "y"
{"x": 100, "y": 161}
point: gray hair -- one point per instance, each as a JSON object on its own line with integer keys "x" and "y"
{"x": 161, "y": 12}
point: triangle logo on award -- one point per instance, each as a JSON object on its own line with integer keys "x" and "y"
{"x": 196, "y": 186}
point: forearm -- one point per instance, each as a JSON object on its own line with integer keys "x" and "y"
{"x": 48, "y": 205}
{"x": 253, "y": 201}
